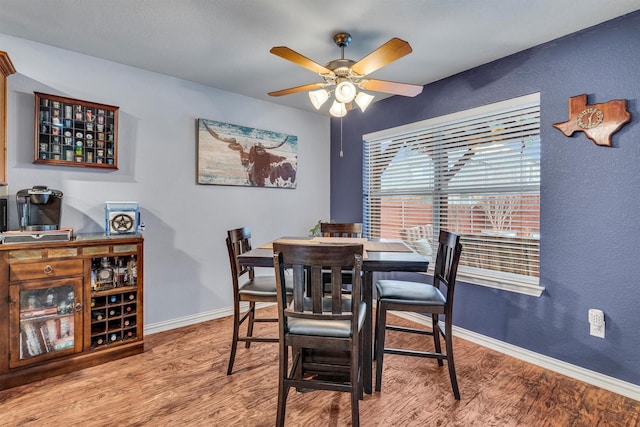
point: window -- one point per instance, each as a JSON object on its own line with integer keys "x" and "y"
{"x": 476, "y": 173}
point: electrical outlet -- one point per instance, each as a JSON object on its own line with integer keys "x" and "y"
{"x": 596, "y": 322}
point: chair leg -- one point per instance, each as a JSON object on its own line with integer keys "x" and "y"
{"x": 436, "y": 335}
{"x": 375, "y": 331}
{"x": 234, "y": 341}
{"x": 452, "y": 368}
{"x": 252, "y": 315}
{"x": 355, "y": 385}
{"x": 381, "y": 323}
{"x": 283, "y": 388}
{"x": 360, "y": 369}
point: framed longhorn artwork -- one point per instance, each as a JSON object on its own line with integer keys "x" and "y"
{"x": 230, "y": 154}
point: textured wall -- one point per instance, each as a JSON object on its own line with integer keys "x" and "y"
{"x": 590, "y": 195}
{"x": 186, "y": 263}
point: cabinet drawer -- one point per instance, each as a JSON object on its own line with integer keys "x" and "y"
{"x": 42, "y": 270}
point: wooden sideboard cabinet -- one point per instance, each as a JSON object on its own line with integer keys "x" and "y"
{"x": 69, "y": 305}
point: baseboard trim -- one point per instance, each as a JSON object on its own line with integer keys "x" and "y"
{"x": 597, "y": 379}
{"x": 179, "y": 322}
{"x": 590, "y": 377}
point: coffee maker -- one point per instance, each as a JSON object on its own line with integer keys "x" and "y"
{"x": 39, "y": 208}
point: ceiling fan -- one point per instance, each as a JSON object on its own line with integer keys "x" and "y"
{"x": 345, "y": 76}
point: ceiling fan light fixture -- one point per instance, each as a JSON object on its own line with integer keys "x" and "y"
{"x": 363, "y": 100}
{"x": 318, "y": 97}
{"x": 338, "y": 109}
{"x": 345, "y": 77}
{"x": 345, "y": 91}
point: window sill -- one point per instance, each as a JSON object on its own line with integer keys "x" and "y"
{"x": 510, "y": 282}
{"x": 517, "y": 283}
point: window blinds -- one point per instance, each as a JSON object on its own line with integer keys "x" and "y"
{"x": 476, "y": 173}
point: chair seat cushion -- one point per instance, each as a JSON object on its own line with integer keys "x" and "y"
{"x": 264, "y": 286}
{"x": 259, "y": 285}
{"x": 324, "y": 328}
{"x": 405, "y": 292}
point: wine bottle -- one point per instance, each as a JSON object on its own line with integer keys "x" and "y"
{"x": 113, "y": 337}
{"x": 121, "y": 271}
{"x": 132, "y": 270}
{"x": 98, "y": 315}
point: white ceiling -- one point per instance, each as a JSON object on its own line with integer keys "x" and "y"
{"x": 225, "y": 43}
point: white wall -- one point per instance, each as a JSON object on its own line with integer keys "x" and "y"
{"x": 186, "y": 264}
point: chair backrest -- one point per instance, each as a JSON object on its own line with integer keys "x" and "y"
{"x": 344, "y": 229}
{"x": 239, "y": 242}
{"x": 447, "y": 259}
{"x": 308, "y": 262}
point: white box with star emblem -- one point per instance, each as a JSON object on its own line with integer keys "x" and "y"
{"x": 121, "y": 218}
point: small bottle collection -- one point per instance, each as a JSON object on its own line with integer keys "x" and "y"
{"x": 75, "y": 132}
{"x": 114, "y": 299}
{"x": 113, "y": 272}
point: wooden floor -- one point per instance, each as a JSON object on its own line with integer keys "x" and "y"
{"x": 180, "y": 381}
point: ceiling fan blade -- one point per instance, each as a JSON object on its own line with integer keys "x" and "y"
{"x": 293, "y": 56}
{"x": 297, "y": 89}
{"x": 404, "y": 89}
{"x": 390, "y": 51}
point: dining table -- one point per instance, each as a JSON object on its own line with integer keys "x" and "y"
{"x": 379, "y": 255}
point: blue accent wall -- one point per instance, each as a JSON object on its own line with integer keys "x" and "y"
{"x": 590, "y": 195}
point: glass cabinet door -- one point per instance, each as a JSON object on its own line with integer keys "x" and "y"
{"x": 46, "y": 320}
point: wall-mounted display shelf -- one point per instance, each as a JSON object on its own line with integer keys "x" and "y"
{"x": 72, "y": 132}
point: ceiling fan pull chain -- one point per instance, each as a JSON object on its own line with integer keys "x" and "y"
{"x": 341, "y": 153}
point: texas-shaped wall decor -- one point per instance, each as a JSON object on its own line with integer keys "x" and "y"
{"x": 597, "y": 121}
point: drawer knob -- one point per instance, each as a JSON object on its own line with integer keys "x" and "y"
{"x": 78, "y": 307}
{"x": 48, "y": 269}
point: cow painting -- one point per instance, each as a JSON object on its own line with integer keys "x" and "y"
{"x": 236, "y": 155}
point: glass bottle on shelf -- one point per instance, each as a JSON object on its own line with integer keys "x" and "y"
{"x": 31, "y": 301}
{"x": 132, "y": 271}
{"x": 51, "y": 298}
{"x": 105, "y": 274}
{"x": 122, "y": 272}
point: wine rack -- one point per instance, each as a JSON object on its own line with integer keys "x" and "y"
{"x": 114, "y": 300}
{"x": 114, "y": 317}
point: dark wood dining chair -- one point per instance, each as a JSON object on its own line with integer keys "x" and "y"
{"x": 341, "y": 229}
{"x": 324, "y": 332}
{"x": 399, "y": 295}
{"x": 345, "y": 229}
{"x": 247, "y": 287}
